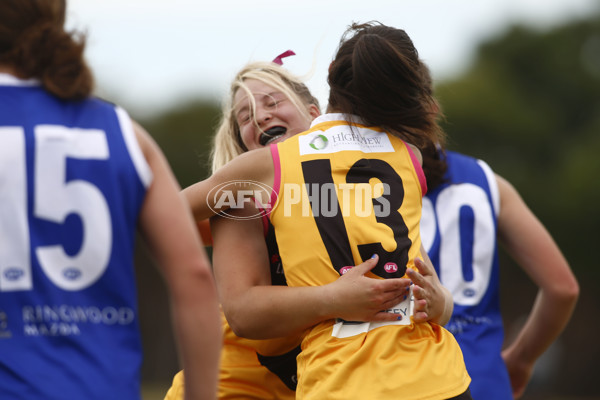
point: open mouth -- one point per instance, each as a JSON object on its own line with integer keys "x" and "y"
{"x": 270, "y": 135}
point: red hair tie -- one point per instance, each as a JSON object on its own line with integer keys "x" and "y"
{"x": 278, "y": 59}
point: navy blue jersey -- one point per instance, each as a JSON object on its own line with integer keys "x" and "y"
{"x": 72, "y": 182}
{"x": 458, "y": 230}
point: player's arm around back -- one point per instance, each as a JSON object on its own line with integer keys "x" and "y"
{"x": 168, "y": 229}
{"x": 529, "y": 243}
{"x": 256, "y": 309}
{"x": 254, "y": 167}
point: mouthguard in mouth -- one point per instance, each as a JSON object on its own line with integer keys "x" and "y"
{"x": 271, "y": 134}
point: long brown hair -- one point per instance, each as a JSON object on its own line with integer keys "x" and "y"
{"x": 434, "y": 158}
{"x": 376, "y": 75}
{"x": 34, "y": 43}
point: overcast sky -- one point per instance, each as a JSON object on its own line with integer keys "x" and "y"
{"x": 148, "y": 55}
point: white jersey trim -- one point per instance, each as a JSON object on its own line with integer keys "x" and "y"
{"x": 135, "y": 152}
{"x": 11, "y": 80}
{"x": 336, "y": 117}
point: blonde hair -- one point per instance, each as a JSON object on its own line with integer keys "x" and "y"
{"x": 227, "y": 143}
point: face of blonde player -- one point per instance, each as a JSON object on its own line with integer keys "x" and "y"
{"x": 276, "y": 116}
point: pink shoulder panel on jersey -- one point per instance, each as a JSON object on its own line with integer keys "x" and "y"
{"x": 276, "y": 174}
{"x": 418, "y": 169}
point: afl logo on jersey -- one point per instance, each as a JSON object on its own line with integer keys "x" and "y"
{"x": 72, "y": 274}
{"x": 343, "y": 270}
{"x": 13, "y": 273}
{"x": 390, "y": 267}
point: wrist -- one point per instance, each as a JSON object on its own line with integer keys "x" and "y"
{"x": 326, "y": 307}
{"x": 448, "y": 307}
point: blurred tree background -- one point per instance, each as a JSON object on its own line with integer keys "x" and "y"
{"x": 529, "y": 105}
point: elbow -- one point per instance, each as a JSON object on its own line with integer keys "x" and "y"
{"x": 240, "y": 325}
{"x": 566, "y": 291}
{"x": 572, "y": 290}
{"x": 569, "y": 288}
{"x": 240, "y": 331}
{"x": 237, "y": 326}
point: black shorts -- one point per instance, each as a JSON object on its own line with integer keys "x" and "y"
{"x": 465, "y": 396}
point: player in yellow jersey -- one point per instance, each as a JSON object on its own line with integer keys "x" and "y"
{"x": 375, "y": 81}
{"x": 347, "y": 189}
{"x": 265, "y": 369}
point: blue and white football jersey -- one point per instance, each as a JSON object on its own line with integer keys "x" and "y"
{"x": 72, "y": 182}
{"x": 458, "y": 230}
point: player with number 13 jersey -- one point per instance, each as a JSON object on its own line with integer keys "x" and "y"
{"x": 347, "y": 191}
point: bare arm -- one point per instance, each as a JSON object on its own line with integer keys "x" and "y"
{"x": 257, "y": 310}
{"x": 532, "y": 247}
{"x": 253, "y": 167}
{"x": 168, "y": 229}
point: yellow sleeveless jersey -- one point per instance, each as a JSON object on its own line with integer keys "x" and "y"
{"x": 343, "y": 192}
{"x": 241, "y": 373}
